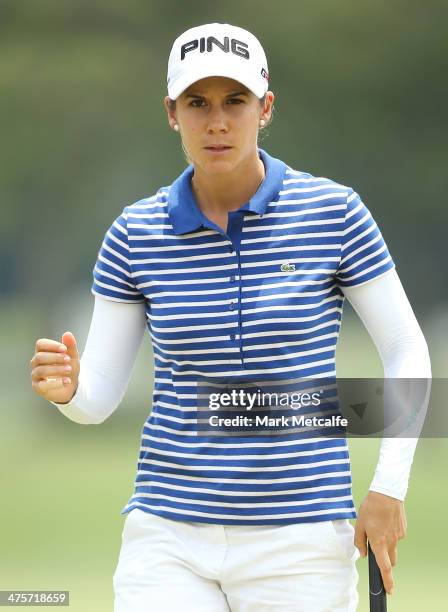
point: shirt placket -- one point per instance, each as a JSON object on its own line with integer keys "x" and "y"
{"x": 234, "y": 230}
{"x": 233, "y": 235}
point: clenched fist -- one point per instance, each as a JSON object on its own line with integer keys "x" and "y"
{"x": 55, "y": 368}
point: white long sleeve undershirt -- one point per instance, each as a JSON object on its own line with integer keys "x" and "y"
{"x": 117, "y": 329}
{"x": 383, "y": 307}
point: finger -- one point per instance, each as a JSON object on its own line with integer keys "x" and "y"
{"x": 45, "y": 344}
{"x": 360, "y": 540}
{"x": 69, "y": 340}
{"x": 43, "y": 358}
{"x": 393, "y": 555}
{"x": 53, "y": 371}
{"x": 43, "y": 386}
{"x": 382, "y": 558}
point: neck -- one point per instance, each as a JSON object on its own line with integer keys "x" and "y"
{"x": 224, "y": 192}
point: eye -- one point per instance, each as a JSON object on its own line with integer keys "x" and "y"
{"x": 197, "y": 102}
{"x": 236, "y": 101}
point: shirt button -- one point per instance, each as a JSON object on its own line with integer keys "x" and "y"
{"x": 232, "y": 279}
{"x": 232, "y": 306}
{"x": 230, "y": 249}
{"x": 232, "y": 336}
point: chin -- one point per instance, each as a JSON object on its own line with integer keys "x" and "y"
{"x": 218, "y": 164}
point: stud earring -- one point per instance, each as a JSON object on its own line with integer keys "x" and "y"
{"x": 262, "y": 122}
{"x": 176, "y": 127}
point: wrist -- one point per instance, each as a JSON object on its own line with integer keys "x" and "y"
{"x": 382, "y": 496}
{"x": 71, "y": 398}
{"x": 388, "y": 492}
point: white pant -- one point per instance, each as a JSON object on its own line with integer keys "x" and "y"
{"x": 167, "y": 565}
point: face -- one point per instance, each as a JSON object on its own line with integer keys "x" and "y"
{"x": 219, "y": 119}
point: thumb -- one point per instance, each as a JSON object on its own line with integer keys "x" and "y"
{"x": 70, "y": 342}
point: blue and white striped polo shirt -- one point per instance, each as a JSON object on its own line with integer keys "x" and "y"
{"x": 260, "y": 301}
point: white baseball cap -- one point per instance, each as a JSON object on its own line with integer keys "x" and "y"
{"x": 217, "y": 49}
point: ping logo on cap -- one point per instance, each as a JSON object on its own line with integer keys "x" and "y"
{"x": 238, "y": 47}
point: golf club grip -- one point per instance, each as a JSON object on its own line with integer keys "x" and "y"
{"x": 377, "y": 594}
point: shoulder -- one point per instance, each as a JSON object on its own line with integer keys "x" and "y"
{"x": 302, "y": 182}
{"x": 148, "y": 211}
{"x": 154, "y": 204}
{"x": 303, "y": 193}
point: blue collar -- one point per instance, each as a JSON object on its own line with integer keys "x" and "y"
{"x": 186, "y": 216}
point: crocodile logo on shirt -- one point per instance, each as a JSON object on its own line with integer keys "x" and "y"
{"x": 287, "y": 267}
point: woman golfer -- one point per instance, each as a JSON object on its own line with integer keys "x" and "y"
{"x": 239, "y": 270}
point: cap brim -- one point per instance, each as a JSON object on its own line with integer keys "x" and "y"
{"x": 208, "y": 70}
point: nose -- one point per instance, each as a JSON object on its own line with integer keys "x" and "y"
{"x": 217, "y": 122}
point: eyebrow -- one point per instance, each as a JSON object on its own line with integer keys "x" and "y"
{"x": 230, "y": 95}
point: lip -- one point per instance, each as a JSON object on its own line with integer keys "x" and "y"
{"x": 218, "y": 148}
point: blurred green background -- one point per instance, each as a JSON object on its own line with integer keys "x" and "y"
{"x": 360, "y": 98}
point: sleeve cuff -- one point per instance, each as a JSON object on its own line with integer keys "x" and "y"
{"x": 389, "y": 492}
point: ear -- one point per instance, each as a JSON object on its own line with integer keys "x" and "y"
{"x": 171, "y": 113}
{"x": 268, "y": 106}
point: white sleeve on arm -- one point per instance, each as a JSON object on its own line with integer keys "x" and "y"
{"x": 384, "y": 308}
{"x": 114, "y": 338}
